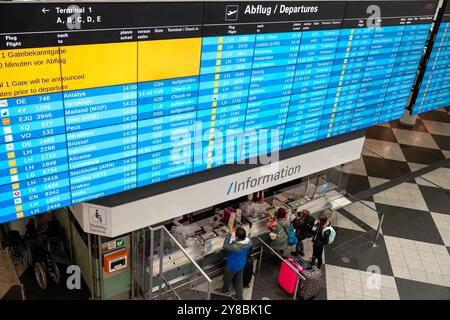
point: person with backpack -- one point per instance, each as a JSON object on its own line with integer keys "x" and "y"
{"x": 303, "y": 226}
{"x": 281, "y": 235}
{"x": 324, "y": 234}
{"x": 237, "y": 253}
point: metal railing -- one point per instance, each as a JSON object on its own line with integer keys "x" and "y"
{"x": 215, "y": 271}
{"x": 381, "y": 218}
{"x": 299, "y": 275}
{"x": 161, "y": 279}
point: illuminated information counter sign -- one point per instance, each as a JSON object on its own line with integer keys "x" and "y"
{"x": 101, "y": 98}
{"x": 434, "y": 92}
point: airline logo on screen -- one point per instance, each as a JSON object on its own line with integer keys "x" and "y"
{"x": 231, "y": 12}
{"x": 258, "y": 182}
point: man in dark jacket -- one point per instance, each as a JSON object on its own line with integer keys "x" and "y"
{"x": 237, "y": 252}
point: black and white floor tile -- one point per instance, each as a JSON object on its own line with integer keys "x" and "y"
{"x": 439, "y": 177}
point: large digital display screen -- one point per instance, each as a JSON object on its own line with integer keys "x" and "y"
{"x": 101, "y": 98}
{"x": 434, "y": 90}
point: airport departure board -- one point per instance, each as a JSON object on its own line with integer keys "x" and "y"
{"x": 434, "y": 90}
{"x": 101, "y": 98}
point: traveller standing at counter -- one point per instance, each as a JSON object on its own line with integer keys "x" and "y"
{"x": 237, "y": 252}
{"x": 303, "y": 226}
{"x": 279, "y": 231}
{"x": 322, "y": 237}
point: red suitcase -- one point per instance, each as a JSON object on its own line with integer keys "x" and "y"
{"x": 287, "y": 278}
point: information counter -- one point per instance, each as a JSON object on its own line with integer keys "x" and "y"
{"x": 206, "y": 245}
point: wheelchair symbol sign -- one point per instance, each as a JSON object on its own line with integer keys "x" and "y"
{"x": 97, "y": 216}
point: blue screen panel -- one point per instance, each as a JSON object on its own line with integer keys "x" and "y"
{"x": 165, "y": 90}
{"x": 434, "y": 90}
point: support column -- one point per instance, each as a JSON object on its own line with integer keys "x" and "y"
{"x": 408, "y": 120}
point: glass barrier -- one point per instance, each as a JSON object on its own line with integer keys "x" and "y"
{"x": 326, "y": 192}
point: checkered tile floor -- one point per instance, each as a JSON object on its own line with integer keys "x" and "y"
{"x": 413, "y": 252}
{"x": 404, "y": 173}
